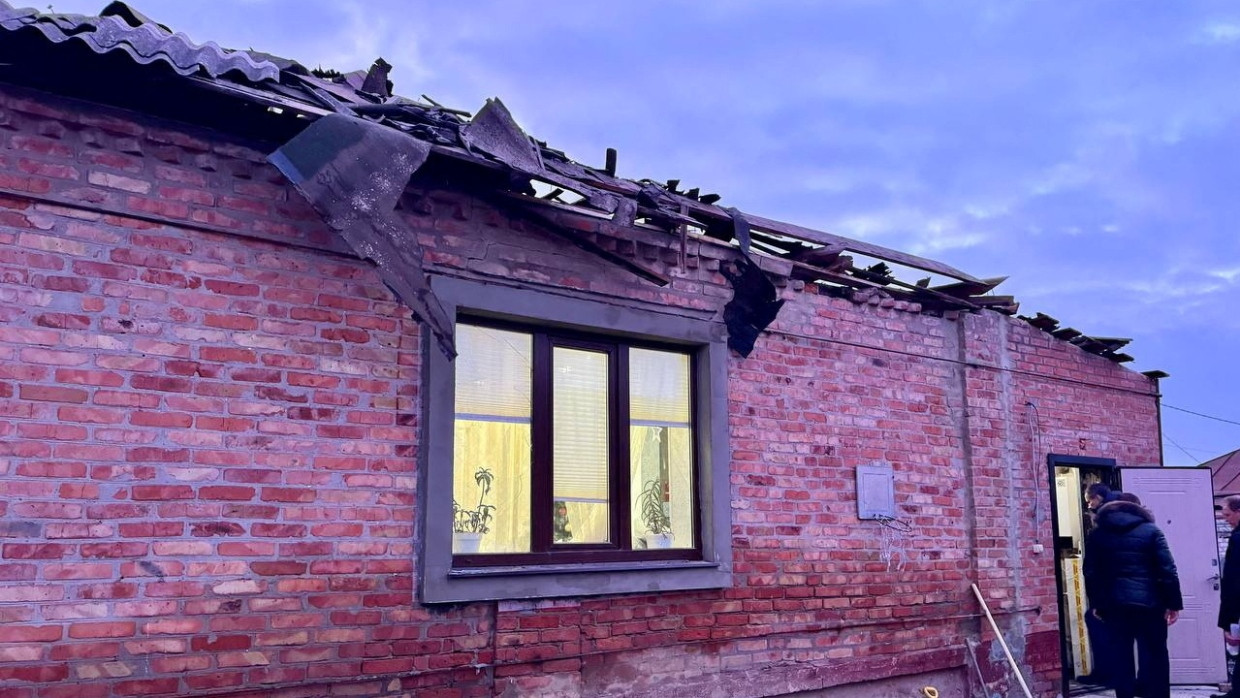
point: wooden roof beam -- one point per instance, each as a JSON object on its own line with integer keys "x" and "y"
{"x": 964, "y": 289}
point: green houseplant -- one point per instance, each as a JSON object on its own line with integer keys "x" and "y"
{"x": 469, "y": 525}
{"x": 654, "y": 515}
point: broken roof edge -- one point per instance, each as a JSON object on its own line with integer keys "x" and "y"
{"x": 811, "y": 254}
{"x": 119, "y": 27}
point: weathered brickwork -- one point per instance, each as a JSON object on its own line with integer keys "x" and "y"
{"x": 209, "y": 432}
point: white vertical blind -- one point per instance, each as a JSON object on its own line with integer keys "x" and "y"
{"x": 580, "y": 435}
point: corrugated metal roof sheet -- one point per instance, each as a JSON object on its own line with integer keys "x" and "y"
{"x": 146, "y": 43}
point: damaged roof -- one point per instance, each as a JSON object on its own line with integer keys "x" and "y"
{"x": 540, "y": 177}
{"x": 120, "y": 28}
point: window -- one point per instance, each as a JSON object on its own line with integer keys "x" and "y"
{"x": 572, "y": 448}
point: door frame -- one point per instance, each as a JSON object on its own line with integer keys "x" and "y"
{"x": 1054, "y": 461}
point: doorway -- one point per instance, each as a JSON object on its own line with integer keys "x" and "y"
{"x": 1181, "y": 500}
{"x": 1071, "y": 522}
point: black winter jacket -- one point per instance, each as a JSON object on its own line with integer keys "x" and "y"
{"x": 1128, "y": 563}
{"x": 1229, "y": 610}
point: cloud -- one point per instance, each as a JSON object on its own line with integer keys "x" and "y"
{"x": 1230, "y": 275}
{"x": 1220, "y": 32}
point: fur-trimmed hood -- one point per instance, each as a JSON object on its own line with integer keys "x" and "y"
{"x": 1122, "y": 516}
{"x": 1128, "y": 563}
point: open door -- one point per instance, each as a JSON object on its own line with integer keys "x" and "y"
{"x": 1182, "y": 501}
{"x": 1071, "y": 522}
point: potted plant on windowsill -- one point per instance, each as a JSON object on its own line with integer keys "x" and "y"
{"x": 654, "y": 515}
{"x": 469, "y": 525}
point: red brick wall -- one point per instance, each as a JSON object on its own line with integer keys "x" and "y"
{"x": 208, "y": 445}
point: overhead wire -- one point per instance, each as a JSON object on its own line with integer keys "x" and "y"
{"x": 1182, "y": 449}
{"x": 1199, "y": 414}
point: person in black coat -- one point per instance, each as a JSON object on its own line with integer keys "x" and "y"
{"x": 1101, "y": 645}
{"x": 1132, "y": 585}
{"x": 1229, "y": 589}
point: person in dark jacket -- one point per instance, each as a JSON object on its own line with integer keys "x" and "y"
{"x": 1098, "y": 494}
{"x": 1229, "y": 609}
{"x": 1101, "y": 645}
{"x": 1132, "y": 584}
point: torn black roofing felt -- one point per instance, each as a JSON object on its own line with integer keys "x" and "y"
{"x": 352, "y": 172}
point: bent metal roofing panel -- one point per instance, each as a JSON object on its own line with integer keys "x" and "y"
{"x": 146, "y": 42}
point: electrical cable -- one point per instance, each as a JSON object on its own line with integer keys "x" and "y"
{"x": 1035, "y": 444}
{"x": 894, "y": 524}
{"x": 893, "y": 540}
{"x": 1182, "y": 449}
{"x": 1198, "y": 414}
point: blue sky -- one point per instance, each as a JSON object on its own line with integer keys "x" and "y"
{"x": 1088, "y": 150}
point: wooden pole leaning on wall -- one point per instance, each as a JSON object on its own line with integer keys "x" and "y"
{"x": 1002, "y": 643}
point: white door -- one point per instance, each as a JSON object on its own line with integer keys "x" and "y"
{"x": 1182, "y": 501}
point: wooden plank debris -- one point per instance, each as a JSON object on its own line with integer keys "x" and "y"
{"x": 876, "y": 251}
{"x": 964, "y": 289}
{"x": 1043, "y": 322}
{"x": 830, "y": 257}
{"x": 527, "y": 208}
{"x": 1113, "y": 343}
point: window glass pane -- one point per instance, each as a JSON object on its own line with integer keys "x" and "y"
{"x": 661, "y": 449}
{"x": 659, "y": 387}
{"x": 493, "y": 372}
{"x": 581, "y": 446}
{"x": 491, "y": 454}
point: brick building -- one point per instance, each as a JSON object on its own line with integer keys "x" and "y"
{"x": 230, "y": 416}
{"x": 1224, "y": 470}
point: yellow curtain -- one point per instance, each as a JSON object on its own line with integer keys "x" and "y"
{"x": 503, "y": 448}
{"x": 661, "y": 440}
{"x": 647, "y": 461}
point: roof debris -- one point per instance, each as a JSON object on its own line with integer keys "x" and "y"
{"x": 494, "y": 132}
{"x": 1106, "y": 347}
{"x": 120, "y": 28}
{"x": 376, "y": 82}
{"x": 753, "y": 307}
{"x": 493, "y": 141}
{"x": 353, "y": 172}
